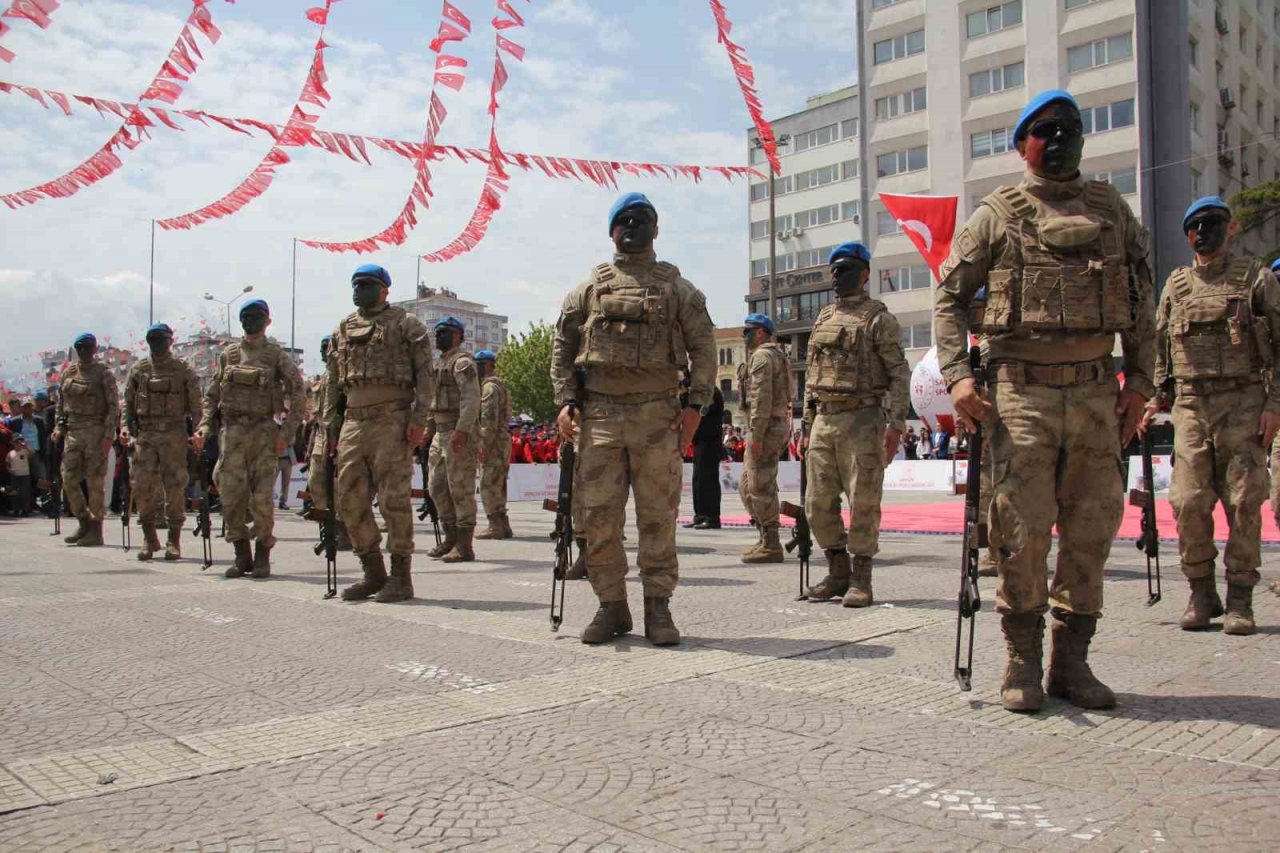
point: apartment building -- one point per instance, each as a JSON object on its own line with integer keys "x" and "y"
{"x": 731, "y": 351}
{"x": 483, "y": 330}
{"x": 944, "y": 82}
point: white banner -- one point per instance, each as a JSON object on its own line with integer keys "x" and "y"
{"x": 1161, "y": 469}
{"x": 920, "y": 475}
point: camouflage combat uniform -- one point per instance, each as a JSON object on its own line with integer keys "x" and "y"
{"x": 856, "y": 387}
{"x": 317, "y": 488}
{"x": 764, "y": 381}
{"x": 453, "y": 472}
{"x": 160, "y": 396}
{"x": 629, "y": 329}
{"x": 1218, "y": 327}
{"x": 88, "y": 417}
{"x": 1066, "y": 267}
{"x": 380, "y": 380}
{"x": 248, "y": 390}
{"x": 495, "y": 441}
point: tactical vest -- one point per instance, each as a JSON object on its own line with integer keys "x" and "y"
{"x": 842, "y": 351}
{"x": 1213, "y": 332}
{"x": 250, "y": 390}
{"x": 448, "y": 399}
{"x": 84, "y": 394}
{"x": 1062, "y": 273}
{"x": 503, "y": 407}
{"x": 373, "y": 350}
{"x": 779, "y": 375}
{"x": 631, "y": 320}
{"x": 161, "y": 390}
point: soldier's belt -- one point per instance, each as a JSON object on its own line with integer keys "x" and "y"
{"x": 630, "y": 399}
{"x": 1216, "y": 385}
{"x": 368, "y": 413}
{"x": 240, "y": 419}
{"x": 153, "y": 425}
{"x": 849, "y": 404}
{"x": 1054, "y": 375}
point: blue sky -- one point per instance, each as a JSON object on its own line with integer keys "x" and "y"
{"x": 601, "y": 79}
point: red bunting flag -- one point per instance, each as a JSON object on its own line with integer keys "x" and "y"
{"x": 451, "y": 12}
{"x": 746, "y": 82}
{"x": 929, "y": 221}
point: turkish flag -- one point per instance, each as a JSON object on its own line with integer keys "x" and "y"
{"x": 929, "y": 221}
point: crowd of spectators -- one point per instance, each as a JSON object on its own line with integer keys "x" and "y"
{"x": 26, "y": 456}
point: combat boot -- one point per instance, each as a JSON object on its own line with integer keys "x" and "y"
{"x": 859, "y": 594}
{"x": 375, "y": 577}
{"x": 82, "y": 527}
{"x": 243, "y": 563}
{"x": 1203, "y": 605}
{"x": 987, "y": 565}
{"x": 506, "y": 526}
{"x": 755, "y": 546}
{"x": 613, "y": 619}
{"x": 261, "y": 559}
{"x": 493, "y": 531}
{"x": 1024, "y": 671}
{"x": 659, "y": 627}
{"x": 150, "y": 542}
{"x": 173, "y": 543}
{"x": 836, "y": 583}
{"x": 399, "y": 587}
{"x": 341, "y": 541}
{"x": 462, "y": 551}
{"x": 446, "y": 544}
{"x": 768, "y": 550}
{"x": 93, "y": 536}
{"x": 1239, "y": 621}
{"x": 1070, "y": 676}
{"x": 578, "y": 571}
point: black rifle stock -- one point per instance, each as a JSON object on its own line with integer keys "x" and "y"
{"x": 428, "y": 508}
{"x": 204, "y": 527}
{"x": 562, "y": 535}
{"x": 55, "y": 489}
{"x": 801, "y": 540}
{"x": 975, "y": 539}
{"x": 126, "y": 498}
{"x": 1149, "y": 541}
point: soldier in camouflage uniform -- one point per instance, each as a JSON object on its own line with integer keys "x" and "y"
{"x": 1065, "y": 263}
{"x": 856, "y": 402}
{"x": 621, "y": 341}
{"x": 161, "y": 400}
{"x": 495, "y": 446}
{"x": 379, "y": 390}
{"x": 455, "y": 416}
{"x": 1218, "y": 328}
{"x": 250, "y": 385}
{"x": 88, "y": 419}
{"x": 764, "y": 380}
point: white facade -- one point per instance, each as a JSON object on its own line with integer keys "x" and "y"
{"x": 483, "y": 330}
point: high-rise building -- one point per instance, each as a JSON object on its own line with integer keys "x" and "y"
{"x": 945, "y": 81}
{"x": 201, "y": 351}
{"x": 483, "y": 330}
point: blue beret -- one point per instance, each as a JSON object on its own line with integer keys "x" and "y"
{"x": 162, "y": 328}
{"x": 1039, "y": 102}
{"x": 452, "y": 322}
{"x": 1209, "y": 202}
{"x": 84, "y": 336}
{"x": 854, "y": 250}
{"x": 626, "y": 202}
{"x": 760, "y": 320}
{"x": 371, "y": 271}
{"x": 326, "y": 339}
{"x": 41, "y": 395}
{"x": 485, "y": 355}
{"x": 255, "y": 303}
{"x": 1275, "y": 266}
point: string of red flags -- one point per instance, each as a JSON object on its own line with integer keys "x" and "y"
{"x": 297, "y": 131}
{"x": 747, "y": 83}
{"x": 448, "y": 72}
{"x": 38, "y": 12}
{"x": 166, "y": 87}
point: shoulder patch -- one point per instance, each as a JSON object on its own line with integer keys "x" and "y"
{"x": 1181, "y": 281}
{"x": 666, "y": 271}
{"x": 1100, "y": 195}
{"x": 1010, "y": 203}
{"x": 602, "y": 273}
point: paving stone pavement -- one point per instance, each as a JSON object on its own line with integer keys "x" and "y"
{"x": 159, "y": 707}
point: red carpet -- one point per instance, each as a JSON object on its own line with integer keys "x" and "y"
{"x": 946, "y": 519}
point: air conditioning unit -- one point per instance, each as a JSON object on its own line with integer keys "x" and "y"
{"x": 797, "y": 231}
{"x": 783, "y": 235}
{"x": 1225, "y": 98}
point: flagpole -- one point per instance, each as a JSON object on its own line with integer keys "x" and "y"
{"x": 151, "y": 290}
{"x": 293, "y": 303}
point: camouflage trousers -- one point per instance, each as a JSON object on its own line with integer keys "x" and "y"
{"x": 245, "y": 475}
{"x": 493, "y": 475}
{"x": 453, "y": 479}
{"x": 630, "y": 448}
{"x": 83, "y": 459}
{"x": 1055, "y": 454}
{"x": 758, "y": 487}
{"x": 158, "y": 484}
{"x": 1218, "y": 456}
{"x": 374, "y": 455}
{"x": 316, "y": 486}
{"x": 846, "y": 457}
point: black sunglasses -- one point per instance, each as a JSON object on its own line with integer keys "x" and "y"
{"x": 1047, "y": 128}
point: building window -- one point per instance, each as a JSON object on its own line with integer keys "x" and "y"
{"x": 991, "y": 80}
{"x": 1195, "y": 118}
{"x": 881, "y": 4}
{"x": 760, "y": 191}
{"x": 849, "y": 170}
{"x": 1075, "y": 4}
{"x": 1194, "y": 51}
{"x": 850, "y": 210}
{"x": 806, "y": 258}
{"x": 901, "y": 103}
{"x": 818, "y": 177}
{"x": 886, "y": 224}
{"x": 1100, "y": 52}
{"x": 1196, "y": 180}
{"x": 918, "y": 336}
{"x": 814, "y": 138}
{"x": 984, "y": 143}
{"x": 759, "y": 267}
{"x": 1107, "y": 117}
{"x": 899, "y": 47}
{"x": 899, "y": 279}
{"x": 900, "y": 162}
{"x": 760, "y": 228}
{"x": 756, "y": 155}
{"x": 826, "y": 214}
{"x": 812, "y": 303}
{"x": 848, "y": 128}
{"x": 994, "y": 18}
{"x": 1124, "y": 180}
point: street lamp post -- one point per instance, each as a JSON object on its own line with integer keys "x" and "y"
{"x": 227, "y": 303}
{"x": 773, "y": 235}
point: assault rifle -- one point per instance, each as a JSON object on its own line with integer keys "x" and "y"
{"x": 330, "y": 528}
{"x": 801, "y": 540}
{"x": 126, "y": 498}
{"x": 562, "y": 535}
{"x": 55, "y": 489}
{"x": 204, "y": 527}
{"x": 428, "y": 508}
{"x": 1149, "y": 541}
{"x": 975, "y": 539}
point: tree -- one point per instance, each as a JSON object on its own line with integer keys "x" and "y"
{"x": 1256, "y": 206}
{"x": 525, "y": 363}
